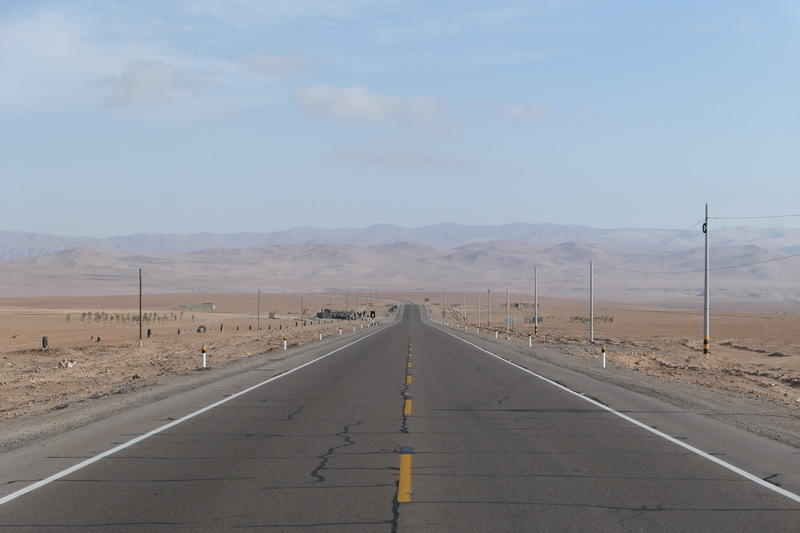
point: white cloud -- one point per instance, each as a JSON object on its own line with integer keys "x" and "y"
{"x": 144, "y": 82}
{"x": 54, "y": 61}
{"x": 362, "y": 103}
{"x": 527, "y": 112}
{"x": 278, "y": 65}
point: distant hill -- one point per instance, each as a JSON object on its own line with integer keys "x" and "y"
{"x": 622, "y": 273}
{"x": 16, "y": 245}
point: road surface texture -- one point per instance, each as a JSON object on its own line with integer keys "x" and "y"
{"x": 408, "y": 428}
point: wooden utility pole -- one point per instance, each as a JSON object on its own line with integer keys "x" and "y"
{"x": 140, "y": 308}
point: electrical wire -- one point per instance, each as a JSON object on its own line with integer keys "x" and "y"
{"x": 687, "y": 230}
{"x": 751, "y": 218}
{"x": 729, "y": 267}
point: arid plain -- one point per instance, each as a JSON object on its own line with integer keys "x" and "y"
{"x": 94, "y": 341}
{"x": 755, "y": 351}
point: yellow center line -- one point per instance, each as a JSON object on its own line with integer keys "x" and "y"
{"x": 404, "y": 487}
{"x": 408, "y": 406}
{"x": 410, "y": 364}
{"x": 409, "y": 379}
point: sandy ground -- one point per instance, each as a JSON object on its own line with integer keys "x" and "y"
{"x": 756, "y": 353}
{"x": 77, "y": 365}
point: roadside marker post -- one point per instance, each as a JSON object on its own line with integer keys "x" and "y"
{"x": 203, "y": 355}
{"x": 284, "y": 343}
{"x": 320, "y": 335}
{"x": 603, "y": 351}
{"x": 496, "y": 335}
{"x": 530, "y": 341}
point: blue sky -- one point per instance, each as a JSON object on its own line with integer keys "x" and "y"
{"x": 241, "y": 115}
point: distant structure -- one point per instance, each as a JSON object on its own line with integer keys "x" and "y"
{"x": 207, "y": 306}
{"x": 341, "y": 315}
{"x": 273, "y": 314}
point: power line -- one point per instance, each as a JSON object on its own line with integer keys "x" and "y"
{"x": 687, "y": 230}
{"x": 729, "y": 267}
{"x": 751, "y": 218}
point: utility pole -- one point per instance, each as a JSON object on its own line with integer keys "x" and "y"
{"x": 479, "y": 309}
{"x": 258, "y": 319}
{"x": 705, "y": 291}
{"x": 489, "y": 310}
{"x": 464, "y": 305}
{"x": 535, "y": 302}
{"x": 140, "y": 308}
{"x": 531, "y": 295}
{"x": 591, "y": 303}
{"x": 508, "y": 311}
{"x": 301, "y": 308}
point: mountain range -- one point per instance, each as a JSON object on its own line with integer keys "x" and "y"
{"x": 669, "y": 276}
{"x": 16, "y": 245}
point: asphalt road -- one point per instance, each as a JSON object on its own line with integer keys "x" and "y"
{"x": 483, "y": 447}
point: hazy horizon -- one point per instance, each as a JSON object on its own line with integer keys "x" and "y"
{"x": 788, "y": 225}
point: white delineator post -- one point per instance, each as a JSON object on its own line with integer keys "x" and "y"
{"x": 320, "y": 335}
{"x": 284, "y": 343}
{"x": 203, "y": 356}
{"x": 603, "y": 351}
{"x": 530, "y": 341}
{"x": 340, "y": 331}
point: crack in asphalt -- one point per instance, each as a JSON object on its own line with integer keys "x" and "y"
{"x": 294, "y": 413}
{"x": 322, "y": 465}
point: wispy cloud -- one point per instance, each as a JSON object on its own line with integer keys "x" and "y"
{"x": 277, "y": 65}
{"x": 364, "y": 104}
{"x": 144, "y": 82}
{"x": 408, "y": 161}
{"x": 527, "y": 112}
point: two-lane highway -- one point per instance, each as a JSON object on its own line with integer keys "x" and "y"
{"x": 409, "y": 428}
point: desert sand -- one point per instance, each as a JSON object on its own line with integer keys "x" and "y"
{"x": 77, "y": 365}
{"x": 755, "y": 353}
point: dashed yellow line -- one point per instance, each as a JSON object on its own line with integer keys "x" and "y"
{"x": 410, "y": 364}
{"x": 404, "y": 486}
{"x": 408, "y": 406}
{"x": 409, "y": 379}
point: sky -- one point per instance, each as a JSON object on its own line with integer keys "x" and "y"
{"x": 173, "y": 116}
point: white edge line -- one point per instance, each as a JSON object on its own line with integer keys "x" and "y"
{"x": 140, "y": 438}
{"x": 701, "y": 453}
